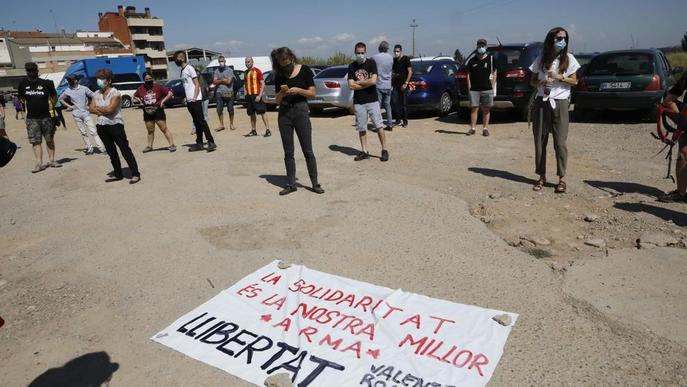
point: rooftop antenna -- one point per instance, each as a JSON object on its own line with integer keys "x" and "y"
{"x": 499, "y": 40}
{"x": 57, "y": 30}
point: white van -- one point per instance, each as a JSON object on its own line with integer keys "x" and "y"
{"x": 239, "y": 65}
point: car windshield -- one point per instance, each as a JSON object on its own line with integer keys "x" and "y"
{"x": 422, "y": 68}
{"x": 506, "y": 56}
{"x": 583, "y": 59}
{"x": 333, "y": 72}
{"x": 621, "y": 64}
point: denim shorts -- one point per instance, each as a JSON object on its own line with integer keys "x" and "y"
{"x": 221, "y": 103}
{"x": 372, "y": 110}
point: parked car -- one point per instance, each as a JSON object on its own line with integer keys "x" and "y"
{"x": 512, "y": 62}
{"x": 433, "y": 85}
{"x": 583, "y": 59}
{"x": 623, "y": 80}
{"x": 331, "y": 90}
{"x": 179, "y": 97}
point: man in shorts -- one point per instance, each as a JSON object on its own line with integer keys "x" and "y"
{"x": 39, "y": 98}
{"x": 481, "y": 80}
{"x": 670, "y": 101}
{"x": 255, "y": 84}
{"x": 223, "y": 85}
{"x": 362, "y": 79}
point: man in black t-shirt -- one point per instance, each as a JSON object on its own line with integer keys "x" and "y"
{"x": 3, "y": 133}
{"x": 362, "y": 79}
{"x": 39, "y": 98}
{"x": 481, "y": 78}
{"x": 670, "y": 101}
{"x": 400, "y": 78}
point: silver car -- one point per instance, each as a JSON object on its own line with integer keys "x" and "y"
{"x": 331, "y": 88}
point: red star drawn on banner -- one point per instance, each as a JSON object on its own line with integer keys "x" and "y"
{"x": 266, "y": 317}
{"x": 374, "y": 353}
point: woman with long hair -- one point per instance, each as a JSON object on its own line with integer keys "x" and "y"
{"x": 553, "y": 74}
{"x": 294, "y": 84}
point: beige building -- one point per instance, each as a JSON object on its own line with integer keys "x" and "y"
{"x": 142, "y": 32}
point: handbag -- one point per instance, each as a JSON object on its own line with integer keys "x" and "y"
{"x": 150, "y": 110}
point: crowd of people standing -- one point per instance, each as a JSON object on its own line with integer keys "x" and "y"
{"x": 381, "y": 81}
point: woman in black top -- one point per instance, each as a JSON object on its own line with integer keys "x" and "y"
{"x": 294, "y": 84}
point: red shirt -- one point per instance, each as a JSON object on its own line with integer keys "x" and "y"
{"x": 152, "y": 96}
{"x": 254, "y": 80}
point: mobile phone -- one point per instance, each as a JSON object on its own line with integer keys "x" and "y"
{"x": 284, "y": 87}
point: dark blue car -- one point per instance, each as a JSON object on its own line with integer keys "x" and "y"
{"x": 433, "y": 85}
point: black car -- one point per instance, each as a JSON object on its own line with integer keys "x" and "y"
{"x": 512, "y": 62}
{"x": 624, "y": 80}
{"x": 179, "y": 97}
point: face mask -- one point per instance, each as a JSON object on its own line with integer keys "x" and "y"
{"x": 73, "y": 84}
{"x": 178, "y": 62}
{"x": 101, "y": 84}
{"x": 481, "y": 50}
{"x": 32, "y": 75}
{"x": 249, "y": 66}
{"x": 148, "y": 84}
{"x": 397, "y": 54}
{"x": 222, "y": 64}
{"x": 288, "y": 69}
{"x": 559, "y": 45}
{"x": 360, "y": 58}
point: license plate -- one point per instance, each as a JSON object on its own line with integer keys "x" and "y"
{"x": 615, "y": 85}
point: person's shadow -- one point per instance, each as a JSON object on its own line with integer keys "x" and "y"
{"x": 89, "y": 370}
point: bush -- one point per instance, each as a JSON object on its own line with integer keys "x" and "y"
{"x": 677, "y": 59}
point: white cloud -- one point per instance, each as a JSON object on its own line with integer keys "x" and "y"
{"x": 314, "y": 41}
{"x": 343, "y": 37}
{"x": 376, "y": 40}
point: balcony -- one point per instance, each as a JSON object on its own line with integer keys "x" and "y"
{"x": 148, "y": 37}
{"x": 143, "y": 22}
{"x": 151, "y": 53}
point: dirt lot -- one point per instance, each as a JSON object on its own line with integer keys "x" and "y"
{"x": 90, "y": 270}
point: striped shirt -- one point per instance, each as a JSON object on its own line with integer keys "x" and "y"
{"x": 253, "y": 81}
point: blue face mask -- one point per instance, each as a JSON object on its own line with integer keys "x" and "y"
{"x": 101, "y": 83}
{"x": 559, "y": 45}
{"x": 481, "y": 50}
{"x": 360, "y": 57}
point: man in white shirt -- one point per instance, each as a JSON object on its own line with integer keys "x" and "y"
{"x": 77, "y": 98}
{"x": 194, "y": 103}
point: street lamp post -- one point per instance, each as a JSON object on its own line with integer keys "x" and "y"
{"x": 414, "y": 25}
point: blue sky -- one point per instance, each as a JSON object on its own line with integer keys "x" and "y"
{"x": 319, "y": 27}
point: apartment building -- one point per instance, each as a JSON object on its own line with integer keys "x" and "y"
{"x": 142, "y": 32}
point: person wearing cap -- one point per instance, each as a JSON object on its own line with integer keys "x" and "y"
{"x": 76, "y": 99}
{"x": 39, "y": 97}
{"x": 481, "y": 85}
{"x": 385, "y": 64}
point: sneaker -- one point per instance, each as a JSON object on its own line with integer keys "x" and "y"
{"x": 672, "y": 197}
{"x": 268, "y": 133}
{"x": 388, "y": 128}
{"x": 172, "y": 148}
{"x": 252, "y": 133}
{"x": 211, "y": 146}
{"x": 397, "y": 123}
{"x": 39, "y": 167}
{"x": 195, "y": 148}
{"x": 135, "y": 179}
{"x": 53, "y": 164}
{"x": 362, "y": 156}
{"x": 102, "y": 151}
{"x": 405, "y": 124}
{"x": 471, "y": 131}
{"x": 385, "y": 155}
{"x": 287, "y": 190}
{"x": 147, "y": 149}
{"x": 89, "y": 151}
{"x": 317, "y": 189}
{"x": 485, "y": 132}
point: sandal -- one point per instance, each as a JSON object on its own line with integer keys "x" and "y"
{"x": 539, "y": 185}
{"x": 147, "y": 149}
{"x": 561, "y": 187}
{"x": 221, "y": 128}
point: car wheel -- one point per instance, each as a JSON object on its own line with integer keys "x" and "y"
{"x": 445, "y": 104}
{"x": 316, "y": 110}
{"x": 126, "y": 102}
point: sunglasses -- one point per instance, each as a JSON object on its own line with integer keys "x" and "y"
{"x": 560, "y": 38}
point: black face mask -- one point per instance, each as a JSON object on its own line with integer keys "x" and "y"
{"x": 32, "y": 75}
{"x": 178, "y": 62}
{"x": 148, "y": 84}
{"x": 288, "y": 69}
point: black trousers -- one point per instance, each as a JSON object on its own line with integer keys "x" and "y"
{"x": 114, "y": 136}
{"x": 196, "y": 110}
{"x": 398, "y": 104}
{"x": 296, "y": 118}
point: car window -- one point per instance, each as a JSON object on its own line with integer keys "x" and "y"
{"x": 448, "y": 70}
{"x": 506, "y": 56}
{"x": 333, "y": 72}
{"x": 422, "y": 68}
{"x": 621, "y": 64}
{"x": 127, "y": 86}
{"x": 128, "y": 77}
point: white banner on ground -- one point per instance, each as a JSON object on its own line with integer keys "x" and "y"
{"x": 324, "y": 330}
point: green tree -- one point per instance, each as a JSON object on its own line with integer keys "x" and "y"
{"x": 339, "y": 58}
